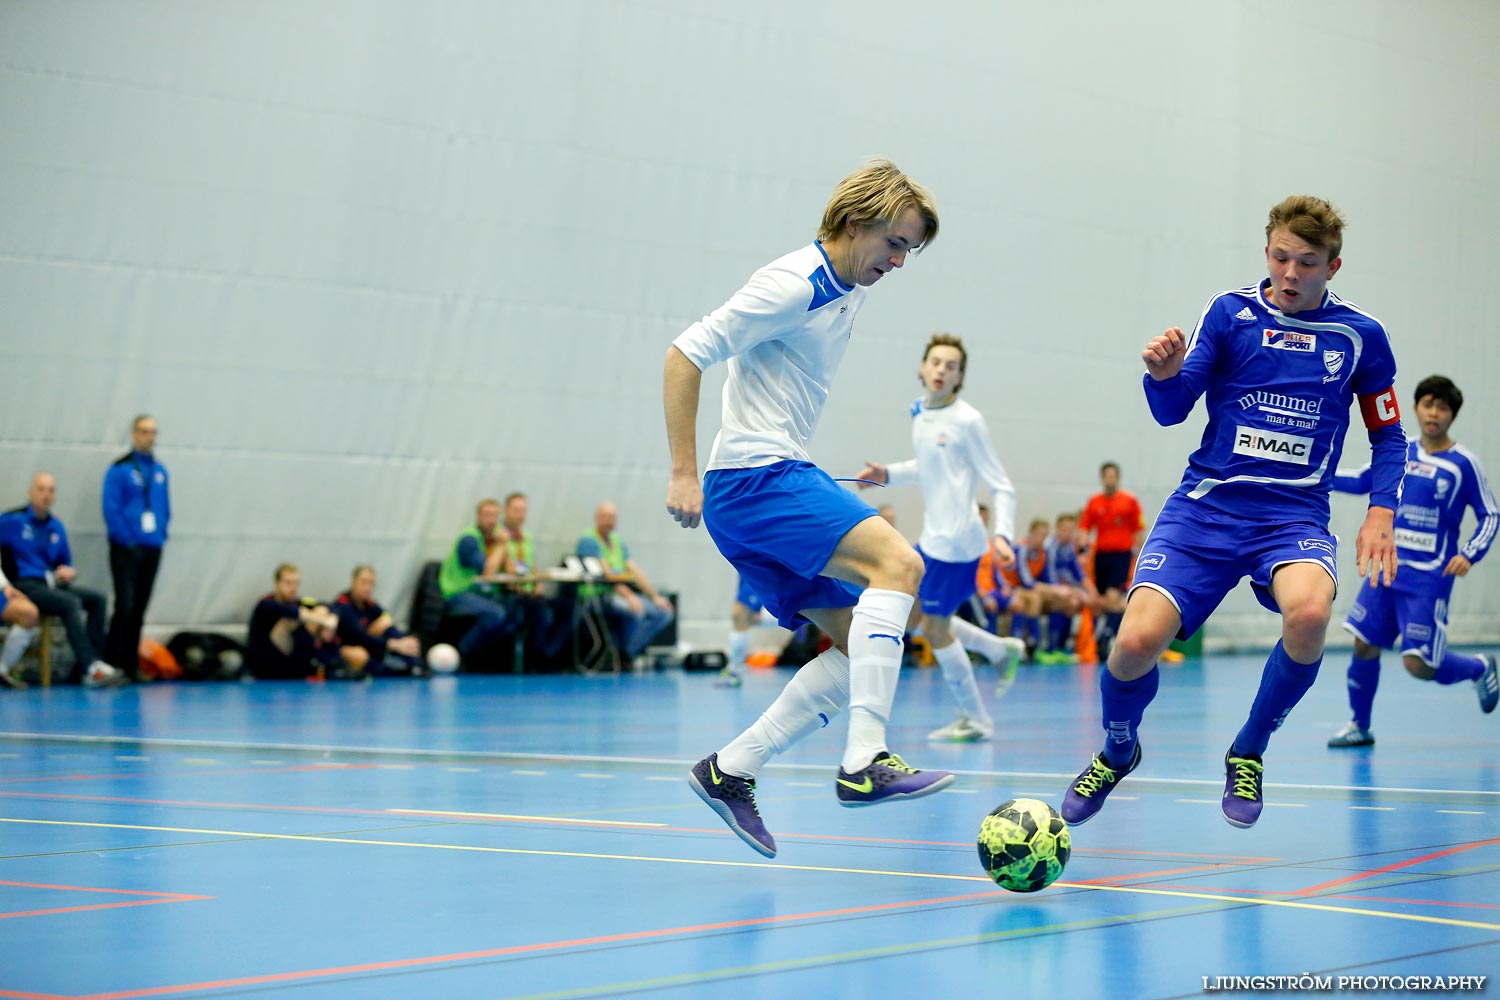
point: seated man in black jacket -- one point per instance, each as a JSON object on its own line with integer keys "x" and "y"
{"x": 364, "y": 624}
{"x": 293, "y": 637}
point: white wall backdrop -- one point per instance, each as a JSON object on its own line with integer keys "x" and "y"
{"x": 368, "y": 261}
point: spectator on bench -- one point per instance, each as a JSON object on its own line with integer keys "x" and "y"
{"x": 365, "y": 624}
{"x": 639, "y": 619}
{"x": 548, "y": 620}
{"x": 481, "y": 551}
{"x": 36, "y": 556}
{"x": 293, "y": 637}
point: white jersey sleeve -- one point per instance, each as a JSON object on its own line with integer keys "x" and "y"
{"x": 981, "y": 450}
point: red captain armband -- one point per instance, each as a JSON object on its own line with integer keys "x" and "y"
{"x": 1379, "y": 409}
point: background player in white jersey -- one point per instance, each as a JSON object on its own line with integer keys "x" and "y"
{"x": 1443, "y": 479}
{"x": 1280, "y": 362}
{"x": 809, "y": 548}
{"x": 745, "y": 613}
{"x": 954, "y": 452}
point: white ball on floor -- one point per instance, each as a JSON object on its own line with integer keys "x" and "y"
{"x": 442, "y": 659}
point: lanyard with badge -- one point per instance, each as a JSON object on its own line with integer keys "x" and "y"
{"x": 148, "y": 516}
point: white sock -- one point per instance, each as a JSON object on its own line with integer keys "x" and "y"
{"x": 739, "y": 648}
{"x": 875, "y": 649}
{"x": 986, "y": 644}
{"x": 959, "y": 673}
{"x": 16, "y": 642}
{"x": 816, "y": 693}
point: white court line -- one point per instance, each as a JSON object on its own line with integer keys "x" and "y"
{"x": 464, "y": 770}
{"x": 531, "y": 774}
{"x": 1383, "y": 809}
{"x": 595, "y": 777}
{"x": 1136, "y": 779}
{"x": 661, "y": 777}
{"x": 960, "y": 791}
{"x": 805, "y": 784}
{"x": 126, "y": 756}
{"x": 1201, "y": 802}
{"x": 1462, "y": 812}
{"x": 1286, "y": 805}
{"x": 541, "y": 819}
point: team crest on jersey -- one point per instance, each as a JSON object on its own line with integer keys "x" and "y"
{"x": 1289, "y": 340}
{"x": 1333, "y": 361}
{"x": 942, "y": 440}
{"x": 1442, "y": 488}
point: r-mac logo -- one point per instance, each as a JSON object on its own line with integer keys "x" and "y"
{"x": 1150, "y": 561}
{"x": 1289, "y": 340}
{"x": 1280, "y": 401}
{"x": 1269, "y": 444}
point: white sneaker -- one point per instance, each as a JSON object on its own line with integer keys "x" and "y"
{"x": 1352, "y": 736}
{"x": 101, "y": 674}
{"x": 962, "y": 730}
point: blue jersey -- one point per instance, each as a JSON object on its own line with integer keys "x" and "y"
{"x": 1278, "y": 392}
{"x": 1437, "y": 490}
{"x": 1063, "y": 567}
{"x": 31, "y": 546}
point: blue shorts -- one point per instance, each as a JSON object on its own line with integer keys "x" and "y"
{"x": 946, "y": 585}
{"x": 3, "y": 602}
{"x": 746, "y": 595}
{"x": 779, "y": 525}
{"x": 1416, "y": 620}
{"x": 1196, "y": 555}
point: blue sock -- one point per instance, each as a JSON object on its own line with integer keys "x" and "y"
{"x": 1124, "y": 703}
{"x": 1059, "y": 625}
{"x": 1364, "y": 678}
{"x": 1282, "y": 685}
{"x": 1455, "y": 667}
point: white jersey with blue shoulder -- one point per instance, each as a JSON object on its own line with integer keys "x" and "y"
{"x": 1438, "y": 488}
{"x": 954, "y": 453}
{"x": 1278, "y": 389}
{"x": 783, "y": 334}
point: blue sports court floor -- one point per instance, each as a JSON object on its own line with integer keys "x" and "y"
{"x": 506, "y": 837}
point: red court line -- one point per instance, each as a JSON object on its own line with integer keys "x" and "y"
{"x": 1396, "y": 866}
{"x": 407, "y": 963}
{"x": 1135, "y": 875}
{"x": 1344, "y": 895}
{"x": 17, "y": 995}
{"x": 158, "y": 897}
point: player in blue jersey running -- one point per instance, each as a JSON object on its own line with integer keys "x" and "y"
{"x": 1280, "y": 363}
{"x": 808, "y": 547}
{"x": 1443, "y": 479}
{"x": 954, "y": 453}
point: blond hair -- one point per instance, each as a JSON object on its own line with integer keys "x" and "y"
{"x": 1311, "y": 219}
{"x": 877, "y": 194}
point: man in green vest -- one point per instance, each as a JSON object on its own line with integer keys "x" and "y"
{"x": 481, "y": 551}
{"x": 547, "y": 618}
{"x": 639, "y": 620}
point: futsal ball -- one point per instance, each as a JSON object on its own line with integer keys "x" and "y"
{"x": 442, "y": 659}
{"x": 1024, "y": 845}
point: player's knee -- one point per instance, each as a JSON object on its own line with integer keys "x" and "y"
{"x": 1136, "y": 646}
{"x": 1417, "y": 668}
{"x": 23, "y": 614}
{"x": 1307, "y": 619}
{"x": 356, "y": 656}
{"x": 904, "y": 567}
{"x": 1364, "y": 651}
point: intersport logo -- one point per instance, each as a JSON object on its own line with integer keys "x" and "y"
{"x": 1289, "y": 340}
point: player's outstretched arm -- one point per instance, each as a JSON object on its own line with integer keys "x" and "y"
{"x": 1165, "y": 354}
{"x": 681, "y": 381}
{"x": 1375, "y": 547}
{"x": 873, "y": 472}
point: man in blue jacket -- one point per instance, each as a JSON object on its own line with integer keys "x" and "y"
{"x": 36, "y": 555}
{"x": 137, "y": 509}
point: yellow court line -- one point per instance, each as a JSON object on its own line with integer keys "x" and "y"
{"x": 1140, "y": 890}
{"x": 540, "y": 819}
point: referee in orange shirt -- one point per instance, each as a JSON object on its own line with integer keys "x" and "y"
{"x": 1113, "y": 517}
